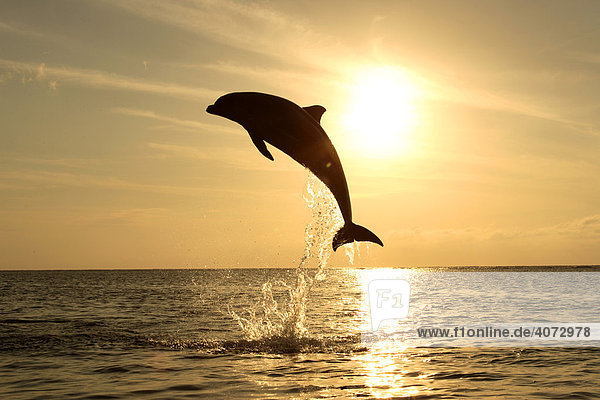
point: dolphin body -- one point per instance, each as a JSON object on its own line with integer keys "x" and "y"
{"x": 297, "y": 132}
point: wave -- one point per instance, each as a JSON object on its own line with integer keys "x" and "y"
{"x": 272, "y": 345}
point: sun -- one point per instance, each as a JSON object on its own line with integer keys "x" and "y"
{"x": 381, "y": 112}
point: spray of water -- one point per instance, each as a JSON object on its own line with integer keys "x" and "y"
{"x": 285, "y": 322}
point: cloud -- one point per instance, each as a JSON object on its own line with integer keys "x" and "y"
{"x": 24, "y": 32}
{"x": 587, "y": 57}
{"x": 190, "y": 124}
{"x": 584, "y": 227}
{"x": 101, "y": 80}
{"x": 238, "y": 158}
{"x": 35, "y": 179}
{"x": 496, "y": 100}
{"x": 249, "y": 26}
{"x": 294, "y": 78}
{"x": 32, "y": 73}
{"x": 128, "y": 217}
{"x": 577, "y": 229}
{"x": 254, "y": 27}
{"x": 57, "y": 162}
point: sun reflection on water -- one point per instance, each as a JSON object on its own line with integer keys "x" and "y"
{"x": 385, "y": 370}
{"x": 388, "y": 371}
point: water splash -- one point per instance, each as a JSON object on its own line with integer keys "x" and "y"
{"x": 350, "y": 251}
{"x": 274, "y": 345}
{"x": 284, "y": 324}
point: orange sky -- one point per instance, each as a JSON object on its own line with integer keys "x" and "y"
{"x": 108, "y": 159}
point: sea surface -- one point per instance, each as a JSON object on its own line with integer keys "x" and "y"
{"x": 288, "y": 334}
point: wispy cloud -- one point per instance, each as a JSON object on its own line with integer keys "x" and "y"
{"x": 297, "y": 79}
{"x": 190, "y": 124}
{"x": 250, "y": 26}
{"x": 469, "y": 172}
{"x": 36, "y": 179}
{"x": 260, "y": 28}
{"x": 581, "y": 228}
{"x": 66, "y": 162}
{"x": 18, "y": 30}
{"x": 588, "y": 227}
{"x": 128, "y": 217}
{"x": 25, "y": 73}
{"x": 497, "y": 100}
{"x": 587, "y": 57}
{"x": 100, "y": 80}
{"x": 238, "y": 158}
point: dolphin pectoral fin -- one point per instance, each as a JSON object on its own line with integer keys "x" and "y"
{"x": 351, "y": 232}
{"x": 262, "y": 147}
{"x": 315, "y": 111}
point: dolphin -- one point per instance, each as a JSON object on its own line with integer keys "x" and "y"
{"x": 298, "y": 133}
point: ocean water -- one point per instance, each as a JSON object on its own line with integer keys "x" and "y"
{"x": 286, "y": 334}
{"x": 298, "y": 333}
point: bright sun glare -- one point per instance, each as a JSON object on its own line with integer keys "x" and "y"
{"x": 381, "y": 112}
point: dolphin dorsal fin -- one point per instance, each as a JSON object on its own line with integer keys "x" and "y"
{"x": 315, "y": 111}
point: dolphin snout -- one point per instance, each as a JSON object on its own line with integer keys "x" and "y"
{"x": 211, "y": 109}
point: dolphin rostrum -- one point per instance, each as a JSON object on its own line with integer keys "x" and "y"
{"x": 297, "y": 132}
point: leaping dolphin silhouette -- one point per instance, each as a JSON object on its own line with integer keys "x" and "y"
{"x": 297, "y": 132}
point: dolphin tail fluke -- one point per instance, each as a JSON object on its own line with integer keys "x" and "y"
{"x": 351, "y": 232}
